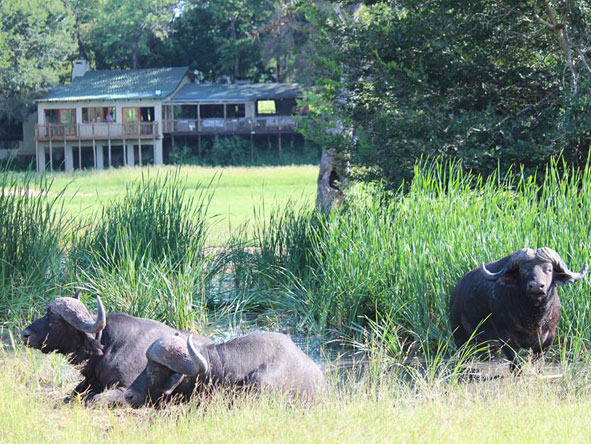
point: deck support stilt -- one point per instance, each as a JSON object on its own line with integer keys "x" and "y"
{"x": 94, "y": 152}
{"x": 50, "y": 156}
{"x": 279, "y": 147}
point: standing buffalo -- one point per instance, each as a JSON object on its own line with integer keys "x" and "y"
{"x": 511, "y": 303}
{"x": 177, "y": 367}
{"x": 111, "y": 348}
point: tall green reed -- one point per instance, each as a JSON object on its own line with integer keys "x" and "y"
{"x": 144, "y": 254}
{"x": 401, "y": 255}
{"x": 32, "y": 230}
{"x": 156, "y": 218}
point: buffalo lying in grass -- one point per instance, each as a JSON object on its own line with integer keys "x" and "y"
{"x": 110, "y": 348}
{"x": 177, "y": 367}
{"x": 511, "y": 303}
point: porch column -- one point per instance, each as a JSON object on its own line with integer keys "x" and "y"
{"x": 158, "y": 159}
{"x": 100, "y": 161}
{"x": 41, "y": 161}
{"x": 130, "y": 154}
{"x": 68, "y": 158}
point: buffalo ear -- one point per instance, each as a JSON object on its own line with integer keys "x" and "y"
{"x": 561, "y": 278}
{"x": 92, "y": 346}
{"x": 172, "y": 383}
{"x": 509, "y": 279}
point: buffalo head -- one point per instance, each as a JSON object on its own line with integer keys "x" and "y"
{"x": 67, "y": 327}
{"x": 535, "y": 272}
{"x": 165, "y": 374}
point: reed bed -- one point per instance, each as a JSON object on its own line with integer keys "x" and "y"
{"x": 394, "y": 258}
{"x": 380, "y": 269}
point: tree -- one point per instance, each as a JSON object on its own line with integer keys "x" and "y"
{"x": 215, "y": 39}
{"x": 484, "y": 81}
{"x": 123, "y": 30}
{"x": 36, "y": 45}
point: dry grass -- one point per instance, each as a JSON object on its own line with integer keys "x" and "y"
{"x": 524, "y": 409}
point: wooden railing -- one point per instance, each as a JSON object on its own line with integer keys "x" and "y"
{"x": 271, "y": 124}
{"x": 98, "y": 131}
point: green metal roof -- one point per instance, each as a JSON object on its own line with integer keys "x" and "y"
{"x": 216, "y": 92}
{"x": 120, "y": 85}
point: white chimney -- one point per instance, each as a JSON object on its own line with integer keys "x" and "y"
{"x": 80, "y": 68}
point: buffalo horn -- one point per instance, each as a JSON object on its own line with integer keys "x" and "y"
{"x": 200, "y": 362}
{"x": 571, "y": 275}
{"x": 75, "y": 313}
{"x": 493, "y": 276}
{"x": 560, "y": 265}
{"x": 170, "y": 351}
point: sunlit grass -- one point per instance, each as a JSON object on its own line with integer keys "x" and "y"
{"x": 237, "y": 190}
{"x": 525, "y": 409}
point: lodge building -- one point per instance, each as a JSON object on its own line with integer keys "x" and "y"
{"x": 122, "y": 118}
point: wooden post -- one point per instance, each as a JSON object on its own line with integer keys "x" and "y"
{"x": 124, "y": 153}
{"x": 225, "y": 117}
{"x": 65, "y": 149}
{"x": 198, "y": 118}
{"x": 50, "y": 155}
{"x": 94, "y": 152}
{"x": 79, "y": 154}
{"x": 251, "y": 148}
{"x": 36, "y": 155}
{"x": 139, "y": 142}
{"x": 279, "y": 147}
{"x": 109, "y": 142}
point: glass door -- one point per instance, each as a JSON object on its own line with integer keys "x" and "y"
{"x": 68, "y": 121}
{"x": 131, "y": 119}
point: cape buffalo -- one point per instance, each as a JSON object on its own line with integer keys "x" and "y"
{"x": 177, "y": 367}
{"x": 110, "y": 348}
{"x": 511, "y": 303}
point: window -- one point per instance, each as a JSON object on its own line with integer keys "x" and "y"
{"x": 62, "y": 121}
{"x": 185, "y": 112}
{"x": 98, "y": 114}
{"x": 266, "y": 107}
{"x": 235, "y": 110}
{"x": 138, "y": 120}
{"x": 212, "y": 111}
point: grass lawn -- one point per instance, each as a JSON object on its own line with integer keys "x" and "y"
{"x": 237, "y": 190}
{"x": 522, "y": 409}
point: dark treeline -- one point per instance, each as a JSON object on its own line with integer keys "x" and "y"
{"x": 483, "y": 81}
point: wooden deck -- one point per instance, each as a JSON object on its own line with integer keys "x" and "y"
{"x": 229, "y": 126}
{"x": 97, "y": 131}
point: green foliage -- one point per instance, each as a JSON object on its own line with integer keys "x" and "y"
{"x": 414, "y": 78}
{"x": 227, "y": 151}
{"x": 222, "y": 39}
{"x": 397, "y": 257}
{"x": 36, "y": 44}
{"x": 154, "y": 219}
{"x": 123, "y": 30}
{"x": 32, "y": 228}
{"x": 181, "y": 155}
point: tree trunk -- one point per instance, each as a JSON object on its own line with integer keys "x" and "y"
{"x": 135, "y": 55}
{"x": 328, "y": 194}
{"x": 236, "y": 55}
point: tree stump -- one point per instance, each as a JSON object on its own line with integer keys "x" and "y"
{"x": 328, "y": 194}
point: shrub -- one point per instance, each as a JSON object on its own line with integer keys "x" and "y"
{"x": 226, "y": 151}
